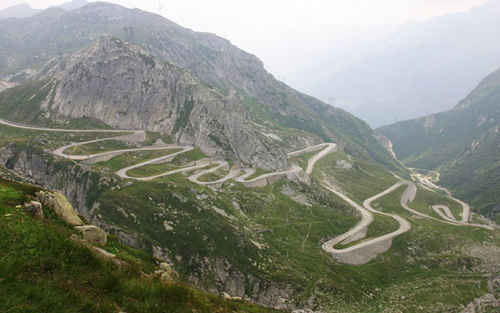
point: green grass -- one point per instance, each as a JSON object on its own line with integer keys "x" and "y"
{"x": 425, "y": 265}
{"x": 258, "y": 172}
{"x": 360, "y": 182}
{"x": 381, "y": 225}
{"x": 49, "y": 140}
{"x": 131, "y": 158}
{"x": 220, "y": 173}
{"x": 190, "y": 156}
{"x": 152, "y": 169}
{"x": 98, "y": 147}
{"x": 425, "y": 199}
{"x": 303, "y": 159}
{"x": 179, "y": 161}
{"x": 42, "y": 270}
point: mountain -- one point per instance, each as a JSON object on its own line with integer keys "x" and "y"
{"x": 18, "y": 11}
{"x": 219, "y": 216}
{"x": 73, "y": 5}
{"x": 29, "y": 44}
{"x": 124, "y": 87}
{"x": 422, "y": 68}
{"x": 25, "y": 10}
{"x": 463, "y": 144}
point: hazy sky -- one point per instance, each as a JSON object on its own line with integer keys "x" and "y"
{"x": 301, "y": 29}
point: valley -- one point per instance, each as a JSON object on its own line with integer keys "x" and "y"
{"x": 355, "y": 246}
{"x": 222, "y": 189}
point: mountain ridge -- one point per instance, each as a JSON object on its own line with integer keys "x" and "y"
{"x": 421, "y": 68}
{"x": 461, "y": 143}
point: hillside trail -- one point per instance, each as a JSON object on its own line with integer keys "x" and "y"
{"x": 359, "y": 251}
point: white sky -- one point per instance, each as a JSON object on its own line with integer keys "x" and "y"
{"x": 299, "y": 29}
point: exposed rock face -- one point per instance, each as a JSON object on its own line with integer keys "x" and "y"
{"x": 127, "y": 88}
{"x": 78, "y": 184}
{"x": 93, "y": 234}
{"x": 236, "y": 284}
{"x": 34, "y": 208}
{"x": 37, "y": 166}
{"x": 61, "y": 206}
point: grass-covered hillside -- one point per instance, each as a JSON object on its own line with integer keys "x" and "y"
{"x": 265, "y": 243}
{"x": 463, "y": 144}
{"x": 43, "y": 270}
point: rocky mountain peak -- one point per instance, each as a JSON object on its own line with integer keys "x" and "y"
{"x": 125, "y": 87}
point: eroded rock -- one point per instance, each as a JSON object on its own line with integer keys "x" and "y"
{"x": 61, "y": 206}
{"x": 34, "y": 208}
{"x": 93, "y": 234}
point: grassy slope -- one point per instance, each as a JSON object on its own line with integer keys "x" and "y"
{"x": 363, "y": 180}
{"x": 434, "y": 272}
{"x": 178, "y": 162}
{"x": 50, "y": 140}
{"x": 98, "y": 147}
{"x": 131, "y": 158}
{"x": 291, "y": 236}
{"x": 41, "y": 270}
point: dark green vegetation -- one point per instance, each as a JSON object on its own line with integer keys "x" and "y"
{"x": 463, "y": 144}
{"x": 42, "y": 270}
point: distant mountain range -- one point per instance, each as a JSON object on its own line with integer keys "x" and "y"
{"x": 463, "y": 144}
{"x": 25, "y": 10}
{"x": 421, "y": 68}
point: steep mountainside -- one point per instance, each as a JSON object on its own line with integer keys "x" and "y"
{"x": 421, "y": 68}
{"x": 29, "y": 43}
{"x": 123, "y": 86}
{"x": 42, "y": 270}
{"x": 463, "y": 144}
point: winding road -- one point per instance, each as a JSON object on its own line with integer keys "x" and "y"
{"x": 360, "y": 252}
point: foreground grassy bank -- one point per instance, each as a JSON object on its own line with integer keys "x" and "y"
{"x": 42, "y": 270}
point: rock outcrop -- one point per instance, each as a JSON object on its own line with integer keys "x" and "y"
{"x": 34, "y": 208}
{"x": 93, "y": 234}
{"x": 61, "y": 206}
{"x": 127, "y": 88}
